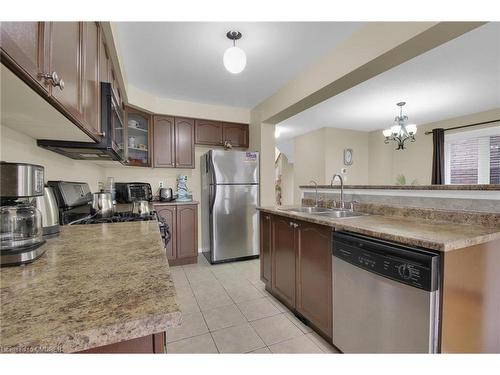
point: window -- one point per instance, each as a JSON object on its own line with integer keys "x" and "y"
{"x": 473, "y": 157}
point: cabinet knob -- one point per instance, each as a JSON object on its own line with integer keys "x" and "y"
{"x": 54, "y": 79}
{"x": 61, "y": 84}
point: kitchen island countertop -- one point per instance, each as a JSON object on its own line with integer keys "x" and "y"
{"x": 95, "y": 285}
{"x": 436, "y": 235}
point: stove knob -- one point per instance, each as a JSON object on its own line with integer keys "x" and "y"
{"x": 404, "y": 271}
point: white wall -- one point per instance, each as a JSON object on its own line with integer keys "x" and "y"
{"x": 336, "y": 141}
{"x": 18, "y": 147}
{"x": 320, "y": 154}
{"x": 386, "y": 163}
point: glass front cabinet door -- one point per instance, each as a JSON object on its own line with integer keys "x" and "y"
{"x": 138, "y": 140}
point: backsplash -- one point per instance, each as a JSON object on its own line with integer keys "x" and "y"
{"x": 440, "y": 203}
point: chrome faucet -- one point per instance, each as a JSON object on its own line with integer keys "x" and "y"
{"x": 316, "y": 197}
{"x": 342, "y": 204}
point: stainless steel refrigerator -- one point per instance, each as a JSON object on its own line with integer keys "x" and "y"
{"x": 229, "y": 199}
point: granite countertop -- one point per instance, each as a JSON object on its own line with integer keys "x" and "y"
{"x": 126, "y": 207}
{"x": 173, "y": 203}
{"x": 95, "y": 285}
{"x": 481, "y": 187}
{"x": 436, "y": 235}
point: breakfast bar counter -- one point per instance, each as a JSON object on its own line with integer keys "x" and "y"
{"x": 431, "y": 234}
{"x": 95, "y": 285}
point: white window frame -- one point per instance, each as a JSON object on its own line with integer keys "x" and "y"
{"x": 483, "y": 176}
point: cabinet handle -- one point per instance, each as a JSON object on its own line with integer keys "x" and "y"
{"x": 267, "y": 217}
{"x": 54, "y": 79}
{"x": 291, "y": 224}
{"x": 295, "y": 225}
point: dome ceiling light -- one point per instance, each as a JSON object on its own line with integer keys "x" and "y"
{"x": 235, "y": 58}
{"x": 402, "y": 131}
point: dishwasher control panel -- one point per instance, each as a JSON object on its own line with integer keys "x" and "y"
{"x": 415, "y": 267}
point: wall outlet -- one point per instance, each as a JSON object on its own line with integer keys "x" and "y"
{"x": 161, "y": 184}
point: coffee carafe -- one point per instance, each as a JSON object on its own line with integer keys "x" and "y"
{"x": 21, "y": 238}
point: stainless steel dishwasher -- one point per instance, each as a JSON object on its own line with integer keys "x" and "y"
{"x": 385, "y": 296}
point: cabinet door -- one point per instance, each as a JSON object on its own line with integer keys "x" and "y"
{"x": 138, "y": 129}
{"x": 283, "y": 260}
{"x": 168, "y": 215}
{"x": 25, "y": 44}
{"x": 237, "y": 134}
{"x": 91, "y": 89}
{"x": 314, "y": 274}
{"x": 65, "y": 60}
{"x": 163, "y": 142}
{"x": 208, "y": 133}
{"x": 103, "y": 61}
{"x": 265, "y": 247}
{"x": 187, "y": 231}
{"x": 184, "y": 143}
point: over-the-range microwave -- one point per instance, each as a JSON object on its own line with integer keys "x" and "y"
{"x": 111, "y": 147}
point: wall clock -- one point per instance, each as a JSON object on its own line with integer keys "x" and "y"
{"x": 348, "y": 156}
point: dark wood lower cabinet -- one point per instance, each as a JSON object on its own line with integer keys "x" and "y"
{"x": 296, "y": 266}
{"x": 265, "y": 248}
{"x": 314, "y": 274}
{"x": 151, "y": 344}
{"x": 168, "y": 214}
{"x": 182, "y": 220}
{"x": 283, "y": 260}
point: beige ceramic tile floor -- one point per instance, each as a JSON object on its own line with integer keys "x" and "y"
{"x": 225, "y": 309}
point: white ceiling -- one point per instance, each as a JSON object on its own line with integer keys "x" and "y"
{"x": 183, "y": 60}
{"x": 458, "y": 78}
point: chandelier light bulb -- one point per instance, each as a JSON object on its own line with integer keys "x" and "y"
{"x": 395, "y": 129}
{"x": 411, "y": 129}
{"x": 387, "y": 132}
{"x": 235, "y": 60}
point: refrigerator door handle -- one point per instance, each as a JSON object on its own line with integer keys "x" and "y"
{"x": 213, "y": 194}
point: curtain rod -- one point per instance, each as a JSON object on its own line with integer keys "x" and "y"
{"x": 466, "y": 126}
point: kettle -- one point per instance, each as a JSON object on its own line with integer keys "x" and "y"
{"x": 102, "y": 204}
{"x": 141, "y": 208}
{"x": 47, "y": 205}
{"x": 166, "y": 195}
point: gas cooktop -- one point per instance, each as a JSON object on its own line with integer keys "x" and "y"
{"x": 119, "y": 217}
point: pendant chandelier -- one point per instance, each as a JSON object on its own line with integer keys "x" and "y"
{"x": 234, "y": 58}
{"x": 402, "y": 131}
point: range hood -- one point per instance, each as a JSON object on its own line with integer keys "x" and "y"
{"x": 110, "y": 148}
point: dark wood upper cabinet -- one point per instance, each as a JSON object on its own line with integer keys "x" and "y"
{"x": 168, "y": 215}
{"x": 163, "y": 142}
{"x": 91, "y": 87}
{"x": 138, "y": 137}
{"x": 283, "y": 261}
{"x": 237, "y": 134}
{"x": 65, "y": 61}
{"x": 187, "y": 231}
{"x": 104, "y": 63}
{"x": 184, "y": 142}
{"x": 314, "y": 274}
{"x": 26, "y": 44}
{"x": 208, "y": 132}
{"x": 215, "y": 133}
{"x": 265, "y": 248}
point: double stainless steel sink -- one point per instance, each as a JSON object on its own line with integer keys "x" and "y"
{"x": 325, "y": 212}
